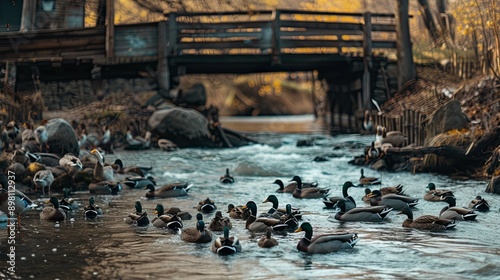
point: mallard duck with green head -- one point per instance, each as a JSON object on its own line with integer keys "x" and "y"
{"x": 426, "y": 222}
{"x": 324, "y": 243}
{"x": 67, "y": 203}
{"x": 198, "y": 234}
{"x": 218, "y": 223}
{"x": 92, "y": 211}
{"x": 168, "y": 221}
{"x": 54, "y": 213}
{"x": 139, "y": 217}
{"x": 169, "y": 190}
{"x": 436, "y": 195}
{"x": 226, "y": 245}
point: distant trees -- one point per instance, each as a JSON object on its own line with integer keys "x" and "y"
{"x": 477, "y": 24}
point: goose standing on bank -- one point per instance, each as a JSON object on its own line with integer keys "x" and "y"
{"x": 101, "y": 172}
{"x": 395, "y": 138}
{"x": 43, "y": 179}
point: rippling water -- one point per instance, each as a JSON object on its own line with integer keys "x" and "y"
{"x": 108, "y": 248}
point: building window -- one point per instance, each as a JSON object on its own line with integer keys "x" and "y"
{"x": 48, "y": 5}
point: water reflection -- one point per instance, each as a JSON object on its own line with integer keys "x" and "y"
{"x": 108, "y": 248}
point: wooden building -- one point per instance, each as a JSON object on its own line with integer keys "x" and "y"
{"x": 28, "y": 15}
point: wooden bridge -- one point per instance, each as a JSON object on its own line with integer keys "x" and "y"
{"x": 341, "y": 46}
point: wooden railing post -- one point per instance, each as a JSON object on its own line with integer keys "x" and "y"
{"x": 162, "y": 66}
{"x": 276, "y": 37}
{"x": 110, "y": 30}
{"x": 367, "y": 60}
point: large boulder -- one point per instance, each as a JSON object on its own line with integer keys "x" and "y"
{"x": 184, "y": 127}
{"x": 446, "y": 118}
{"x": 493, "y": 186}
{"x": 62, "y": 137}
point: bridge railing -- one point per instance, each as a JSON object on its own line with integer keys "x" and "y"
{"x": 274, "y": 32}
{"x": 278, "y": 32}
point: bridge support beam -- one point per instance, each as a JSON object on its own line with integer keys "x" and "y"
{"x": 367, "y": 60}
{"x": 343, "y": 92}
{"x": 162, "y": 69}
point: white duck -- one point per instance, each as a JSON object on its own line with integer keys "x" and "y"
{"x": 101, "y": 172}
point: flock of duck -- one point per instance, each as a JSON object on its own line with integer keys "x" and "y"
{"x": 379, "y": 203}
{"x": 41, "y": 171}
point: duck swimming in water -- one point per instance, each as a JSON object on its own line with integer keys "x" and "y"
{"x": 324, "y": 243}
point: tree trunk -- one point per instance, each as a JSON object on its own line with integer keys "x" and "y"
{"x": 428, "y": 20}
{"x": 406, "y": 66}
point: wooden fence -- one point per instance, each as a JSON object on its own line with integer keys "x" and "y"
{"x": 411, "y": 123}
